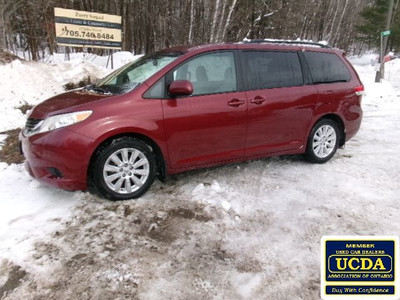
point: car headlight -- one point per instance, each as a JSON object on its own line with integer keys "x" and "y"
{"x": 59, "y": 121}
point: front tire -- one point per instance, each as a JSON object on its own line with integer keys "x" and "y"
{"x": 323, "y": 141}
{"x": 124, "y": 169}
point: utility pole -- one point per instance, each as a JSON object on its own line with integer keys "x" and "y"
{"x": 384, "y": 40}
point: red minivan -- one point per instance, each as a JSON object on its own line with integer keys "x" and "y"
{"x": 193, "y": 107}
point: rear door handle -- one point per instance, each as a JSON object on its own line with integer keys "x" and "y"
{"x": 235, "y": 102}
{"x": 257, "y": 100}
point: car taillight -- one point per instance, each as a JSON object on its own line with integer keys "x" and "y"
{"x": 359, "y": 90}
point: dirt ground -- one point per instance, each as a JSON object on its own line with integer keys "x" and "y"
{"x": 10, "y": 152}
{"x": 7, "y": 57}
{"x": 168, "y": 247}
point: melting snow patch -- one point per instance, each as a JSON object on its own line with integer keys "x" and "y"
{"x": 226, "y": 205}
{"x": 198, "y": 189}
{"x": 246, "y": 283}
{"x": 216, "y": 187}
{"x": 2, "y": 139}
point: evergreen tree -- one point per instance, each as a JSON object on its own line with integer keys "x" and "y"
{"x": 373, "y": 23}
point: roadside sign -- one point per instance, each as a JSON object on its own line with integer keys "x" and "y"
{"x": 385, "y": 33}
{"x": 87, "y": 29}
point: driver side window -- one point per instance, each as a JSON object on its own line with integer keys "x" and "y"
{"x": 210, "y": 73}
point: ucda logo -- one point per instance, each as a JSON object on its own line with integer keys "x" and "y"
{"x": 357, "y": 263}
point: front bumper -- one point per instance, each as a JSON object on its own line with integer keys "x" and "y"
{"x": 58, "y": 158}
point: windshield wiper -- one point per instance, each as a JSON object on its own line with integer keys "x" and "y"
{"x": 330, "y": 81}
{"x": 98, "y": 89}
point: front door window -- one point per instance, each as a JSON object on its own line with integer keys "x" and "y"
{"x": 210, "y": 74}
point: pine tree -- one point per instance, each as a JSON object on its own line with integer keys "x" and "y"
{"x": 373, "y": 23}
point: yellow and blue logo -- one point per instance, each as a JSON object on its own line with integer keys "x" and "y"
{"x": 359, "y": 267}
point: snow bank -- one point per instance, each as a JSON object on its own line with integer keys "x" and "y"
{"x": 363, "y": 60}
{"x": 119, "y": 59}
{"x": 28, "y": 211}
{"x": 392, "y": 71}
{"x": 33, "y": 82}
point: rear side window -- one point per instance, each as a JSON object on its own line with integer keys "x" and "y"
{"x": 327, "y": 67}
{"x": 272, "y": 69}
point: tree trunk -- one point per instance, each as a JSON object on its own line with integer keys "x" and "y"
{"x": 330, "y": 33}
{"x": 221, "y": 21}
{"x": 335, "y": 37}
{"x": 2, "y": 26}
{"x": 228, "y": 20}
{"x": 214, "y": 21}
{"x": 190, "y": 38}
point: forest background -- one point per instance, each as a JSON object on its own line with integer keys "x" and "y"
{"x": 149, "y": 25}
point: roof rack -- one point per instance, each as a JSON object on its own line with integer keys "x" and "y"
{"x": 290, "y": 42}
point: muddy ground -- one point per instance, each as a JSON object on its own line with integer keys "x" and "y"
{"x": 166, "y": 246}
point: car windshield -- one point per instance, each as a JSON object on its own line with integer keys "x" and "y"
{"x": 133, "y": 74}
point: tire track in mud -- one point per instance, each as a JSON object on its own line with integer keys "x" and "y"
{"x": 116, "y": 250}
{"x": 149, "y": 249}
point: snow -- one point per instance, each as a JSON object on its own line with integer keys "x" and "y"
{"x": 119, "y": 59}
{"x": 2, "y": 139}
{"x": 26, "y": 219}
{"x": 301, "y": 42}
{"x": 392, "y": 71}
{"x": 32, "y": 82}
{"x": 250, "y": 230}
{"x": 364, "y": 60}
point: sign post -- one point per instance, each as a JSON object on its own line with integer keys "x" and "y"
{"x": 87, "y": 29}
{"x": 381, "y": 72}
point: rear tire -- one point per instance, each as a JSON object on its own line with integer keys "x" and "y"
{"x": 124, "y": 169}
{"x": 323, "y": 141}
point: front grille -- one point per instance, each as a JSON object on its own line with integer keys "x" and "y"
{"x": 31, "y": 124}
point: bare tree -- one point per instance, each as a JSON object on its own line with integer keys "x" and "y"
{"x": 2, "y": 26}
{"x": 228, "y": 19}
{"x": 190, "y": 39}
{"x": 149, "y": 25}
{"x": 214, "y": 21}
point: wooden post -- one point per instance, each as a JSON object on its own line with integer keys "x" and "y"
{"x": 112, "y": 59}
{"x": 67, "y": 56}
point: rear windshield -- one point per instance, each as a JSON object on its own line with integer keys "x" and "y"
{"x": 133, "y": 74}
{"x": 327, "y": 67}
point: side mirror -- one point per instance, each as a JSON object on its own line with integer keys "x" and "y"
{"x": 181, "y": 88}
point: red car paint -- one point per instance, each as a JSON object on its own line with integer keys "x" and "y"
{"x": 191, "y": 131}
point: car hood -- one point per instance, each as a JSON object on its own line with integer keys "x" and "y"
{"x": 63, "y": 102}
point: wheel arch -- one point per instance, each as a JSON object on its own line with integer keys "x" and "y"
{"x": 339, "y": 121}
{"x": 158, "y": 155}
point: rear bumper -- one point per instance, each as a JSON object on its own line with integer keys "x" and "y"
{"x": 353, "y": 126}
{"x": 59, "y": 158}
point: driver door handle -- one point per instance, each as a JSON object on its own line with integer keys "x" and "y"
{"x": 236, "y": 102}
